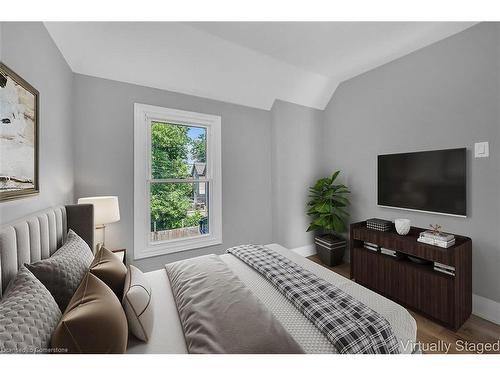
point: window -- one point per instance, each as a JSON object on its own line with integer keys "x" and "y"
{"x": 177, "y": 181}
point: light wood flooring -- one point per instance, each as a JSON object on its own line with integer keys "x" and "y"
{"x": 473, "y": 337}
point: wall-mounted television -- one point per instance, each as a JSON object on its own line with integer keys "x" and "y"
{"x": 430, "y": 181}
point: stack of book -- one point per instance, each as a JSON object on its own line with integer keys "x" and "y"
{"x": 437, "y": 238}
{"x": 371, "y": 246}
{"x": 389, "y": 252}
{"x": 379, "y": 224}
{"x": 444, "y": 268}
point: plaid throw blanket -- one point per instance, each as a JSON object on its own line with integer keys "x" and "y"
{"x": 349, "y": 325}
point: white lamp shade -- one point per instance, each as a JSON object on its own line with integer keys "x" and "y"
{"x": 106, "y": 209}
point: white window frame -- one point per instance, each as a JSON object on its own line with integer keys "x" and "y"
{"x": 143, "y": 116}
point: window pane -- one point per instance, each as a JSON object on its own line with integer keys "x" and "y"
{"x": 178, "y": 151}
{"x": 178, "y": 210}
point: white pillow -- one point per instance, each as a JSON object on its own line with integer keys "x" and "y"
{"x": 138, "y": 304}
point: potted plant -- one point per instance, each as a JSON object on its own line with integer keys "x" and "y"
{"x": 327, "y": 208}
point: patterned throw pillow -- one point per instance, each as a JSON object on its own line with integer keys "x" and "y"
{"x": 28, "y": 315}
{"x": 62, "y": 272}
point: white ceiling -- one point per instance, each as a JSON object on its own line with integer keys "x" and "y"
{"x": 248, "y": 63}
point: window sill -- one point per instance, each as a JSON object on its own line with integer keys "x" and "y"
{"x": 176, "y": 246}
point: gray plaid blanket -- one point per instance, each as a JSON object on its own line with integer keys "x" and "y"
{"x": 351, "y": 326}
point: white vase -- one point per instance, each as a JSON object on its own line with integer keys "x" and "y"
{"x": 402, "y": 226}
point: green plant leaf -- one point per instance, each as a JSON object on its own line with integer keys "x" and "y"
{"x": 322, "y": 207}
{"x": 327, "y": 205}
{"x": 338, "y": 187}
{"x": 340, "y": 199}
{"x": 334, "y": 176}
{"x": 338, "y": 224}
{"x": 313, "y": 212}
{"x": 341, "y": 211}
{"x": 342, "y": 191}
{"x": 320, "y": 221}
{"x": 313, "y": 227}
{"x": 338, "y": 204}
{"x": 320, "y": 184}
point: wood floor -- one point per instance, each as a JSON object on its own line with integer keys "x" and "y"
{"x": 475, "y": 336}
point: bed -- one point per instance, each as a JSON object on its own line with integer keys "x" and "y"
{"x": 299, "y": 327}
{"x": 38, "y": 236}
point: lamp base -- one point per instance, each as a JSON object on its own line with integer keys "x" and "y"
{"x": 100, "y": 235}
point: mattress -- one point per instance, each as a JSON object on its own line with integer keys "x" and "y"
{"x": 168, "y": 335}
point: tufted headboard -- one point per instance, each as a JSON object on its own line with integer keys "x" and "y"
{"x": 39, "y": 235}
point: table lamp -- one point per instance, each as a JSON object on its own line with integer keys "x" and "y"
{"x": 106, "y": 211}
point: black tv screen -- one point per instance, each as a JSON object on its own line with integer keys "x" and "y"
{"x": 433, "y": 181}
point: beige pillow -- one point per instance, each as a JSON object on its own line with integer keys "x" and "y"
{"x": 94, "y": 321}
{"x": 110, "y": 269}
{"x": 138, "y": 304}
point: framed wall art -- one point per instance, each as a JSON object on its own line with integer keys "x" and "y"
{"x": 19, "y": 128}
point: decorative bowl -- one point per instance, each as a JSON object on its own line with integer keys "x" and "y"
{"x": 402, "y": 226}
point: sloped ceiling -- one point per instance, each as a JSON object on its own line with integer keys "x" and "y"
{"x": 248, "y": 63}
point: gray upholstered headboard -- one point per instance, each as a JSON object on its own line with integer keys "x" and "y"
{"x": 39, "y": 235}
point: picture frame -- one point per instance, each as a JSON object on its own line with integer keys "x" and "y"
{"x": 19, "y": 136}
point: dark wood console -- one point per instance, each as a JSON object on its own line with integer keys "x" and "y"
{"x": 444, "y": 298}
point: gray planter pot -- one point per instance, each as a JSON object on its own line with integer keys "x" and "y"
{"x": 331, "y": 249}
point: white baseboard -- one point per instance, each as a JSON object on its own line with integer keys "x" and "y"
{"x": 486, "y": 308}
{"x": 305, "y": 251}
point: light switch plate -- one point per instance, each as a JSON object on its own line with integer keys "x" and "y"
{"x": 481, "y": 150}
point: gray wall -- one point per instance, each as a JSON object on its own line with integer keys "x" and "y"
{"x": 28, "y": 49}
{"x": 104, "y": 160}
{"x": 295, "y": 166}
{"x": 443, "y": 96}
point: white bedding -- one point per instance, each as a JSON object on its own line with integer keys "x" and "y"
{"x": 168, "y": 336}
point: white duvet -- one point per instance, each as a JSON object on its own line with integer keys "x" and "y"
{"x": 168, "y": 337}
